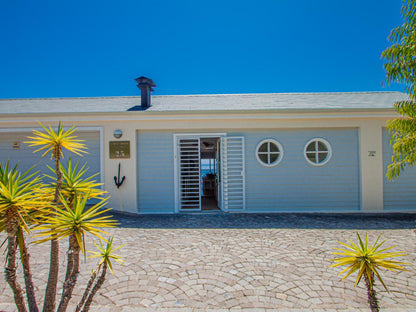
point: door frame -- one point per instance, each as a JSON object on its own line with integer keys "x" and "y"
{"x": 176, "y": 138}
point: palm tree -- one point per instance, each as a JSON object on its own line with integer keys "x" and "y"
{"x": 54, "y": 142}
{"x": 20, "y": 203}
{"x": 75, "y": 221}
{"x": 106, "y": 254}
{"x": 367, "y": 260}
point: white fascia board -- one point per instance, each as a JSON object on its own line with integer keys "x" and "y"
{"x": 192, "y": 115}
{"x": 30, "y": 129}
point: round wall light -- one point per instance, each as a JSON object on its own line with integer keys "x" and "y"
{"x": 118, "y": 133}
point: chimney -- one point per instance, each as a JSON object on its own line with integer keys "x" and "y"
{"x": 146, "y": 86}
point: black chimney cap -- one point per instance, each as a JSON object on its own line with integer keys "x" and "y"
{"x": 144, "y": 81}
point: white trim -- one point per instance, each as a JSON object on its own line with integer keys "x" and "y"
{"x": 243, "y": 172}
{"x": 201, "y": 115}
{"x": 30, "y": 129}
{"x": 102, "y": 171}
{"x": 280, "y": 153}
{"x": 328, "y": 157}
{"x": 201, "y": 135}
{"x": 175, "y": 173}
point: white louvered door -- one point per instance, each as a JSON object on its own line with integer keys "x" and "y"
{"x": 233, "y": 176}
{"x": 189, "y": 174}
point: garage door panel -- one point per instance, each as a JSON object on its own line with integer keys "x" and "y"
{"x": 13, "y": 148}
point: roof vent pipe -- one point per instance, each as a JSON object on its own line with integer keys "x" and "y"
{"x": 146, "y": 86}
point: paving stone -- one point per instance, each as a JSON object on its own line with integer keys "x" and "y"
{"x": 237, "y": 263}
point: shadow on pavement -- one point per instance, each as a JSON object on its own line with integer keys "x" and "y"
{"x": 359, "y": 221}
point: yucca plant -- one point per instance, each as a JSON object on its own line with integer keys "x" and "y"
{"x": 75, "y": 183}
{"x": 367, "y": 260}
{"x": 75, "y": 221}
{"x": 56, "y": 211}
{"x": 51, "y": 142}
{"x": 20, "y": 203}
{"x": 106, "y": 254}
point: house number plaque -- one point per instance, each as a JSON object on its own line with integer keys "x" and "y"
{"x": 119, "y": 149}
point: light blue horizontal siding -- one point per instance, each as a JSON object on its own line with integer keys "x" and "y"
{"x": 26, "y": 158}
{"x": 155, "y": 172}
{"x": 294, "y": 184}
{"x": 399, "y": 194}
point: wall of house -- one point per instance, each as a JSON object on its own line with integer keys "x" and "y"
{"x": 121, "y": 198}
{"x": 296, "y": 185}
{"x": 292, "y": 185}
{"x": 356, "y": 138}
{"x": 351, "y": 181}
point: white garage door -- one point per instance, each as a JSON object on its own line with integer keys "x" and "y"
{"x": 13, "y": 149}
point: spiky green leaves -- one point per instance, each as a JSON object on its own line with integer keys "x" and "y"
{"x": 106, "y": 254}
{"x": 366, "y": 259}
{"x": 75, "y": 181}
{"x": 76, "y": 220}
{"x": 54, "y": 142}
{"x": 20, "y": 196}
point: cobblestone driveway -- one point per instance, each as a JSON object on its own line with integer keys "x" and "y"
{"x": 238, "y": 262}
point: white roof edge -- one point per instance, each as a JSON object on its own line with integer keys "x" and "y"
{"x": 277, "y": 111}
{"x": 201, "y": 95}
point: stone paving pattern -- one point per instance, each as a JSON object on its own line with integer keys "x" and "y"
{"x": 233, "y": 262}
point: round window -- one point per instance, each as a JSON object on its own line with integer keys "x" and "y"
{"x": 317, "y": 152}
{"x": 269, "y": 153}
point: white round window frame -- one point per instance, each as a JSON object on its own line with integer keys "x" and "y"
{"x": 279, "y": 159}
{"x": 328, "y": 158}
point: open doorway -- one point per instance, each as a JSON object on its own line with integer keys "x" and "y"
{"x": 217, "y": 154}
{"x": 210, "y": 173}
{"x": 198, "y": 173}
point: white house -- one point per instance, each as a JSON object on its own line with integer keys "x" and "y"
{"x": 279, "y": 152}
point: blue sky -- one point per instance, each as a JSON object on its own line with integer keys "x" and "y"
{"x": 54, "y": 48}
